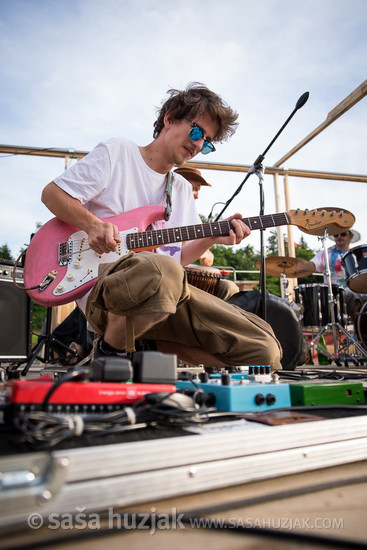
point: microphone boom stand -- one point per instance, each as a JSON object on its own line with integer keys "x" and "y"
{"x": 258, "y": 169}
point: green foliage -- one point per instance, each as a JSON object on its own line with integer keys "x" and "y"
{"x": 39, "y": 315}
{"x": 272, "y": 244}
{"x": 5, "y": 252}
{"x": 241, "y": 259}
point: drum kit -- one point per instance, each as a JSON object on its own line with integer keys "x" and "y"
{"x": 323, "y": 306}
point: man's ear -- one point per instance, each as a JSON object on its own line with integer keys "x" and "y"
{"x": 167, "y": 120}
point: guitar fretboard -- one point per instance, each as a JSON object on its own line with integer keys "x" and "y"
{"x": 158, "y": 237}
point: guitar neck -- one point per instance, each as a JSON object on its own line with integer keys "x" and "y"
{"x": 159, "y": 237}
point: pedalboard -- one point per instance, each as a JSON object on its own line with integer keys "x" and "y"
{"x": 255, "y": 391}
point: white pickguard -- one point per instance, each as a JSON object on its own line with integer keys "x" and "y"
{"x": 83, "y": 264}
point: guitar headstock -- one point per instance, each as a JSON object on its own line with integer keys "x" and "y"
{"x": 315, "y": 222}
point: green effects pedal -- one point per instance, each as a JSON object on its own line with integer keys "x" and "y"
{"x": 326, "y": 393}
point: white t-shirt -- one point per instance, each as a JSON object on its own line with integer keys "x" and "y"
{"x": 114, "y": 178}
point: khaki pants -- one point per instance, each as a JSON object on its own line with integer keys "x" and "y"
{"x": 144, "y": 282}
{"x": 225, "y": 289}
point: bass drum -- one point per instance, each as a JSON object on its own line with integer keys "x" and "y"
{"x": 284, "y": 318}
{"x": 360, "y": 326}
{"x": 314, "y": 299}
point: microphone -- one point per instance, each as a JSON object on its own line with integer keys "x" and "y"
{"x": 302, "y": 100}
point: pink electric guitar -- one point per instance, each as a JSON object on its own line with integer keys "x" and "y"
{"x": 60, "y": 267}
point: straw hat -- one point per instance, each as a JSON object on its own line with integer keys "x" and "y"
{"x": 356, "y": 236}
{"x": 192, "y": 174}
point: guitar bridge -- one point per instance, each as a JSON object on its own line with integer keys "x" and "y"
{"x": 65, "y": 253}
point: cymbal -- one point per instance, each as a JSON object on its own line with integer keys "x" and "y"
{"x": 291, "y": 267}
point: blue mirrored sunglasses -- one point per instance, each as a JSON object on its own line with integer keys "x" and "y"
{"x": 197, "y": 133}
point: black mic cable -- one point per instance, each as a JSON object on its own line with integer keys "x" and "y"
{"x": 211, "y": 212}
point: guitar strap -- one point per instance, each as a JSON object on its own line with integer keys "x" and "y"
{"x": 168, "y": 191}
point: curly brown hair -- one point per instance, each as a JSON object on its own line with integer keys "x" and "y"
{"x": 196, "y": 100}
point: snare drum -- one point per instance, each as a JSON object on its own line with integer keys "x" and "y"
{"x": 355, "y": 265}
{"x": 314, "y": 301}
{"x": 203, "y": 277}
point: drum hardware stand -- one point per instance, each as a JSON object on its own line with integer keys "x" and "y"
{"x": 334, "y": 326}
{"x": 258, "y": 169}
{"x": 284, "y": 283}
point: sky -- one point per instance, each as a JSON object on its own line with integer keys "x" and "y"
{"x": 77, "y": 72}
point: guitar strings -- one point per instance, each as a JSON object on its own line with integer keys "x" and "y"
{"x": 268, "y": 220}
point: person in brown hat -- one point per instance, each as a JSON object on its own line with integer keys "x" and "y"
{"x": 195, "y": 178}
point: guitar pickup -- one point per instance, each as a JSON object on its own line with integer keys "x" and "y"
{"x": 64, "y": 253}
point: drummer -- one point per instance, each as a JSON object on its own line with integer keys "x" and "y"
{"x": 225, "y": 287}
{"x": 342, "y": 241}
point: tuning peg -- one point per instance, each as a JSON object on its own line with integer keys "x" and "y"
{"x": 314, "y": 212}
{"x": 341, "y": 213}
